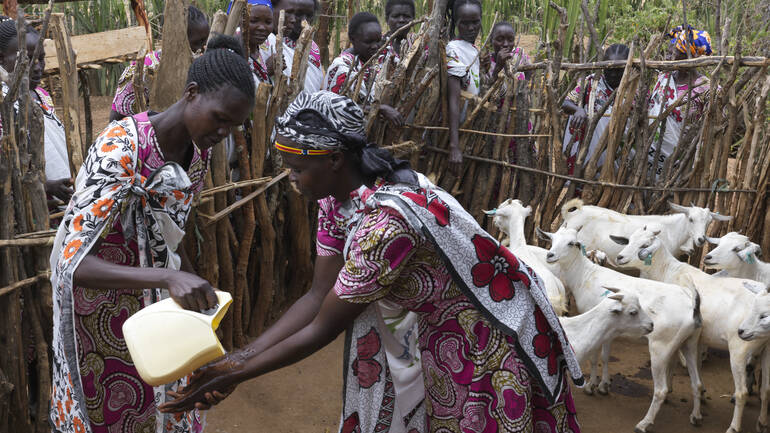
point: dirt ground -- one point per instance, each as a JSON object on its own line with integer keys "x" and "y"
{"x": 306, "y": 397}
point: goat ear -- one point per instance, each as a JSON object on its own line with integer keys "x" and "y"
{"x": 720, "y": 217}
{"x": 543, "y": 234}
{"x": 492, "y": 212}
{"x": 713, "y": 241}
{"x": 529, "y": 210}
{"x": 677, "y": 207}
{"x": 757, "y": 249}
{"x": 620, "y": 240}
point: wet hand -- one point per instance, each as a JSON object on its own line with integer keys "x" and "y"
{"x": 392, "y": 115}
{"x": 190, "y": 291}
{"x": 208, "y": 386}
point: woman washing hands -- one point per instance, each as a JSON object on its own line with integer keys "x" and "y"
{"x": 488, "y": 337}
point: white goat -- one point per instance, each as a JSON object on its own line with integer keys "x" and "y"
{"x": 726, "y": 302}
{"x": 682, "y": 231}
{"x": 509, "y": 217}
{"x": 738, "y": 257}
{"x": 674, "y": 311}
{"x": 619, "y": 314}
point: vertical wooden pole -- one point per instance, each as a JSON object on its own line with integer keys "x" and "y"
{"x": 168, "y": 85}
{"x": 69, "y": 84}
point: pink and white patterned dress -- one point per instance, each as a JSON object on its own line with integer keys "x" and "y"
{"x": 124, "y": 102}
{"x": 474, "y": 377}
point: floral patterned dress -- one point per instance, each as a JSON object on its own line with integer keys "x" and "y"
{"x": 113, "y": 396}
{"x": 474, "y": 377}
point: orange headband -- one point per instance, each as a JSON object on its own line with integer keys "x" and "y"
{"x": 297, "y": 151}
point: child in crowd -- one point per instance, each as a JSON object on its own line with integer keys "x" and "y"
{"x": 463, "y": 69}
{"x": 365, "y": 36}
{"x": 598, "y": 88}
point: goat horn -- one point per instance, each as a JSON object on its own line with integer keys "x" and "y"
{"x": 612, "y": 289}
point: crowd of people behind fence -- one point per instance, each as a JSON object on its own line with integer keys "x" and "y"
{"x": 166, "y": 155}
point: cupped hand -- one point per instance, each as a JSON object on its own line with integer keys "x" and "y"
{"x": 208, "y": 386}
{"x": 190, "y": 291}
{"x": 392, "y": 115}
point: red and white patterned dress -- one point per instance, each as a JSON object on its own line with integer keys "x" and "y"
{"x": 475, "y": 380}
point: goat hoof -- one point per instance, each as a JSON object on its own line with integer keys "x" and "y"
{"x": 761, "y": 428}
{"x": 732, "y": 430}
{"x": 638, "y": 429}
{"x": 588, "y": 389}
{"x": 604, "y": 388}
{"x": 696, "y": 420}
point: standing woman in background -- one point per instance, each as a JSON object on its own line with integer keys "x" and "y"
{"x": 670, "y": 86}
{"x": 598, "y": 89}
{"x": 118, "y": 248}
{"x": 58, "y": 184}
{"x": 125, "y": 98}
{"x": 463, "y": 68}
{"x": 398, "y": 13}
{"x": 295, "y": 11}
{"x": 260, "y": 28}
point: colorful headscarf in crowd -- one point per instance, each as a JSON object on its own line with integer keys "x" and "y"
{"x": 698, "y": 41}
{"x": 267, "y": 3}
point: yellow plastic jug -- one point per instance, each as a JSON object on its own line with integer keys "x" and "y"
{"x": 167, "y": 342}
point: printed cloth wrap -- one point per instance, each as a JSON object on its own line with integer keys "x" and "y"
{"x": 154, "y": 210}
{"x": 345, "y": 68}
{"x": 463, "y": 63}
{"x": 518, "y": 312}
{"x": 698, "y": 42}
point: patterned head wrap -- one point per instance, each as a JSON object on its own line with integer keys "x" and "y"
{"x": 344, "y": 122}
{"x": 324, "y": 122}
{"x": 698, "y": 41}
{"x": 267, "y": 3}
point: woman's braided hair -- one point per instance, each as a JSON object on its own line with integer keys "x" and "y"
{"x": 453, "y": 7}
{"x": 223, "y": 63}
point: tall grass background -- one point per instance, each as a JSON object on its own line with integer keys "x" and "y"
{"x": 616, "y": 20}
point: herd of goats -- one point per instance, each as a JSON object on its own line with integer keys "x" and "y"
{"x": 678, "y": 307}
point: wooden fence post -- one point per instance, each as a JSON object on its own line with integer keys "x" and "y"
{"x": 68, "y": 71}
{"x": 168, "y": 86}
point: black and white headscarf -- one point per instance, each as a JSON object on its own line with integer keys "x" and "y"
{"x": 345, "y": 128}
{"x": 342, "y": 129}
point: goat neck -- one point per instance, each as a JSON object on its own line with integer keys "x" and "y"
{"x": 589, "y": 331}
{"x": 662, "y": 262}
